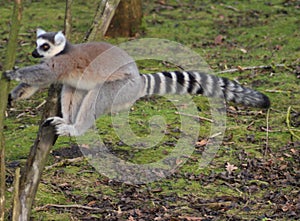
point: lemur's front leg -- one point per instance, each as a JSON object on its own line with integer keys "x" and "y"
{"x": 39, "y": 75}
{"x": 23, "y": 91}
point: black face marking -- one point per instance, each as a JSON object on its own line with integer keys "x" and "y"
{"x": 50, "y": 36}
{"x": 45, "y": 47}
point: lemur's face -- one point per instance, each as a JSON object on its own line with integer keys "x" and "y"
{"x": 49, "y": 44}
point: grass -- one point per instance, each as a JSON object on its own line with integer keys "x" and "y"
{"x": 254, "y": 33}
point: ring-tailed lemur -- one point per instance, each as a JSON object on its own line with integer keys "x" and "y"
{"x": 92, "y": 75}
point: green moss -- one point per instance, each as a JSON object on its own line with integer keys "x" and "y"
{"x": 267, "y": 33}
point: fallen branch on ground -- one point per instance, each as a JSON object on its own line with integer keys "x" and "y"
{"x": 64, "y": 162}
{"x": 240, "y": 69}
{"x": 278, "y": 91}
{"x": 194, "y": 116}
{"x": 74, "y": 206}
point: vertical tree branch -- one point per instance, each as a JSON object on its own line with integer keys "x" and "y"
{"x": 16, "y": 200}
{"x": 40, "y": 150}
{"x": 68, "y": 18}
{"x": 4, "y": 85}
{"x": 102, "y": 19}
{"x": 37, "y": 157}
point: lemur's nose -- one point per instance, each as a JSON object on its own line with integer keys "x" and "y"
{"x": 35, "y": 54}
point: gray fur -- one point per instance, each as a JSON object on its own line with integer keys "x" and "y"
{"x": 99, "y": 78}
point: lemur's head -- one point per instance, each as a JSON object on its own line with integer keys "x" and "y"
{"x": 49, "y": 44}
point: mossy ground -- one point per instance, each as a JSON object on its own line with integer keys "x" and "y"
{"x": 227, "y": 34}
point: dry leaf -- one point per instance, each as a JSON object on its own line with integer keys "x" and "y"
{"x": 219, "y": 39}
{"x": 230, "y": 167}
{"x": 92, "y": 203}
{"x": 130, "y": 218}
{"x": 202, "y": 143}
{"x": 293, "y": 151}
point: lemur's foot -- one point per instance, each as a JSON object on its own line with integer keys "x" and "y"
{"x": 65, "y": 130}
{"x": 53, "y": 121}
{"x": 56, "y": 120}
{"x": 61, "y": 127}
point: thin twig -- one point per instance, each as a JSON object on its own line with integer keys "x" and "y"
{"x": 245, "y": 113}
{"x": 267, "y": 132}
{"x": 74, "y": 206}
{"x": 240, "y": 69}
{"x": 231, "y": 8}
{"x": 40, "y": 105}
{"x": 64, "y": 162}
{"x": 194, "y": 116}
{"x": 278, "y": 91}
{"x": 215, "y": 135}
{"x": 288, "y": 122}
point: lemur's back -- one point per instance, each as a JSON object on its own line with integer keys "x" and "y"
{"x": 93, "y": 63}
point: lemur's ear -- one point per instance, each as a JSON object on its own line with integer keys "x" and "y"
{"x": 39, "y": 32}
{"x": 59, "y": 38}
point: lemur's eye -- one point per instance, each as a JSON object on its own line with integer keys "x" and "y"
{"x": 45, "y": 47}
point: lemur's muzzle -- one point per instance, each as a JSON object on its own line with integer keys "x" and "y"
{"x": 35, "y": 54}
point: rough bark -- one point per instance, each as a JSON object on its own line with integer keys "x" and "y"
{"x": 102, "y": 19}
{"x": 37, "y": 158}
{"x": 16, "y": 201}
{"x": 4, "y": 85}
{"x": 68, "y": 18}
{"x": 127, "y": 19}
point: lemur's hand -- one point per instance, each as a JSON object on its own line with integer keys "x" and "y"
{"x": 6, "y": 75}
{"x": 12, "y": 74}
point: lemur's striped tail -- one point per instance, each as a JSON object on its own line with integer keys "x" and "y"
{"x": 182, "y": 82}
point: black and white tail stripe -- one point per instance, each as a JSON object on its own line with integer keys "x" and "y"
{"x": 192, "y": 82}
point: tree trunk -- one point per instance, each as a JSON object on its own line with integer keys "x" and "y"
{"x": 4, "y": 85}
{"x": 102, "y": 19}
{"x": 127, "y": 19}
{"x": 37, "y": 158}
{"x": 68, "y": 18}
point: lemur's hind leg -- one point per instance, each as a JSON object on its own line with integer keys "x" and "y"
{"x": 83, "y": 115}
{"x": 71, "y": 100}
{"x": 105, "y": 98}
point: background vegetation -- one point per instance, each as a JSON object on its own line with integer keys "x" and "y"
{"x": 264, "y": 182}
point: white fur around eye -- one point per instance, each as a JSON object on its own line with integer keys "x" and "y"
{"x": 40, "y": 42}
